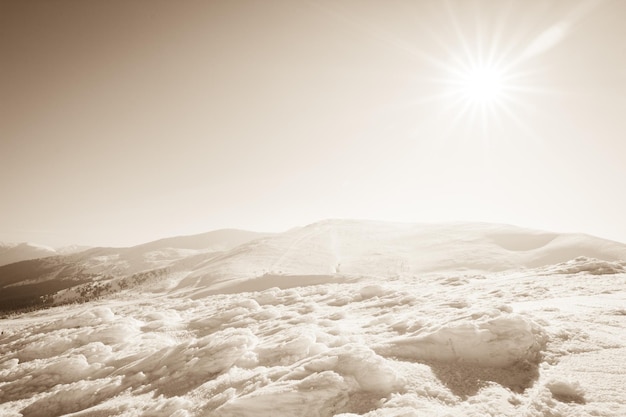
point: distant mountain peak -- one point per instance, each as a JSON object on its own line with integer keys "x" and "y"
{"x": 16, "y": 252}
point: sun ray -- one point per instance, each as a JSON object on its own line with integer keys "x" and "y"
{"x": 479, "y": 79}
{"x": 494, "y": 54}
{"x": 459, "y": 33}
{"x": 380, "y": 35}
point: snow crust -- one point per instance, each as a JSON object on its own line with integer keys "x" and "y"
{"x": 536, "y": 342}
{"x": 435, "y": 345}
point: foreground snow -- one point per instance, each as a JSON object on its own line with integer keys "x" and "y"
{"x": 543, "y": 342}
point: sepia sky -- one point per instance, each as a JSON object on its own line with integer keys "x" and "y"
{"x": 127, "y": 121}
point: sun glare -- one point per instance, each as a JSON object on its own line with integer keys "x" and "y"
{"x": 483, "y": 91}
{"x": 477, "y": 75}
{"x": 480, "y": 92}
{"x": 482, "y": 85}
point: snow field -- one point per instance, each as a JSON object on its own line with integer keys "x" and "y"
{"x": 441, "y": 345}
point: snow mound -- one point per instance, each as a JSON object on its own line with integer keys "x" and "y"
{"x": 321, "y": 385}
{"x": 92, "y": 317}
{"x": 520, "y": 241}
{"x": 565, "y": 390}
{"x": 502, "y": 341}
{"x": 314, "y": 396}
{"x": 588, "y": 265}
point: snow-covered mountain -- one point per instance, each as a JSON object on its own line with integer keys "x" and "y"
{"x": 338, "y": 318}
{"x": 68, "y": 250}
{"x": 16, "y": 252}
{"x": 215, "y": 241}
{"x": 226, "y": 261}
{"x": 98, "y": 271}
{"x": 347, "y": 248}
{"x": 332, "y": 250}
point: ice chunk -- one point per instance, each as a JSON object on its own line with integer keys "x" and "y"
{"x": 314, "y": 396}
{"x": 321, "y": 385}
{"x": 290, "y": 345}
{"x": 495, "y": 342}
{"x": 589, "y": 265}
{"x": 565, "y": 390}
{"x": 91, "y": 317}
{"x": 357, "y": 363}
{"x": 370, "y": 291}
{"x": 78, "y": 396}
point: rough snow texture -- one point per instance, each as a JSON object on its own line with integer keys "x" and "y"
{"x": 436, "y": 345}
{"x": 588, "y": 265}
{"x": 529, "y": 343}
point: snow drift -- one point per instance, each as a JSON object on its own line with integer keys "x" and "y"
{"x": 500, "y": 341}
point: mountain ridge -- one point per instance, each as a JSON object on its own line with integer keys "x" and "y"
{"x": 337, "y": 249}
{"x": 16, "y": 252}
{"x": 383, "y": 250}
{"x": 99, "y": 270}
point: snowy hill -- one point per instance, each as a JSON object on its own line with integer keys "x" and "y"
{"x": 346, "y": 248}
{"x": 227, "y": 261}
{"x": 96, "y": 271}
{"x": 71, "y": 249}
{"x": 17, "y": 252}
{"x": 214, "y": 241}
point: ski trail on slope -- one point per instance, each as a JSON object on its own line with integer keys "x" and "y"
{"x": 292, "y": 248}
{"x": 333, "y": 246}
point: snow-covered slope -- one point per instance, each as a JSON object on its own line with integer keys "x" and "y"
{"x": 17, "y": 252}
{"x": 346, "y": 248}
{"x": 339, "y": 318}
{"x": 98, "y": 271}
{"x": 214, "y": 241}
{"x": 526, "y": 344}
{"x": 71, "y": 249}
{"x": 324, "y": 252}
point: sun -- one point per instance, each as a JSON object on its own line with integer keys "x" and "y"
{"x": 482, "y": 92}
{"x": 477, "y": 80}
{"x": 482, "y": 85}
{"x": 479, "y": 86}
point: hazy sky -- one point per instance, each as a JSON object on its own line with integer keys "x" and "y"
{"x": 127, "y": 121}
